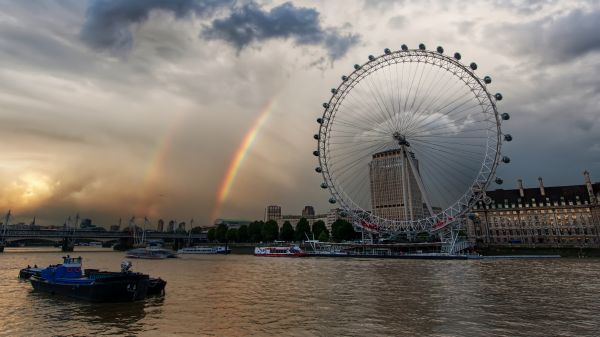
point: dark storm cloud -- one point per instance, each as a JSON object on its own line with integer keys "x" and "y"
{"x": 250, "y": 23}
{"x": 108, "y": 22}
{"x": 553, "y": 38}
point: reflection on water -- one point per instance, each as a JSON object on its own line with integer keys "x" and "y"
{"x": 245, "y": 295}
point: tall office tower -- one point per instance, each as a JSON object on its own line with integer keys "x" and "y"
{"x": 395, "y": 194}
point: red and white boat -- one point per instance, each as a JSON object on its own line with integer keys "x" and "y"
{"x": 289, "y": 251}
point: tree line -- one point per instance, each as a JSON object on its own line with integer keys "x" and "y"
{"x": 260, "y": 231}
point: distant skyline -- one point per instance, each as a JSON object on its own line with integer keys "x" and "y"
{"x": 180, "y": 109}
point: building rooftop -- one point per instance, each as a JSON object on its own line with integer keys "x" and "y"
{"x": 572, "y": 193}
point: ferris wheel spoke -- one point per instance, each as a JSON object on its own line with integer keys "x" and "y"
{"x": 418, "y": 87}
{"x": 357, "y": 152}
{"x": 400, "y": 98}
{"x": 438, "y": 110}
{"x": 379, "y": 108}
{"x": 448, "y": 164}
{"x": 364, "y": 154}
{"x": 359, "y": 127}
{"x": 358, "y": 187}
{"x": 452, "y": 96}
{"x": 449, "y": 172}
{"x": 408, "y": 90}
{"x": 441, "y": 93}
{"x": 438, "y": 180}
{"x": 385, "y": 110}
{"x": 456, "y": 124}
{"x": 365, "y": 118}
{"x": 479, "y": 130}
{"x": 350, "y": 166}
{"x": 364, "y": 105}
{"x": 418, "y": 112}
{"x": 350, "y": 140}
{"x": 396, "y": 99}
{"x": 411, "y": 86}
{"x": 451, "y": 161}
{"x": 459, "y": 157}
{"x": 440, "y": 146}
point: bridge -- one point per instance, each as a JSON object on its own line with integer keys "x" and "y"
{"x": 69, "y": 235}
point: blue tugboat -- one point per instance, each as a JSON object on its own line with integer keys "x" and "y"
{"x": 97, "y": 286}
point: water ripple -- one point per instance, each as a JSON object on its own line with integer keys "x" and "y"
{"x": 240, "y": 295}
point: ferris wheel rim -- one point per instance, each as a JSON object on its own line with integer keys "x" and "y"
{"x": 492, "y": 150}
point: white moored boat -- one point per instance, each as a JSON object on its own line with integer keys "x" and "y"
{"x": 205, "y": 250}
{"x": 289, "y": 251}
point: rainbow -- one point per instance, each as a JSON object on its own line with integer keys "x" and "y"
{"x": 238, "y": 158}
{"x": 154, "y": 171}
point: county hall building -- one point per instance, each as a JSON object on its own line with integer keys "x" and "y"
{"x": 558, "y": 216}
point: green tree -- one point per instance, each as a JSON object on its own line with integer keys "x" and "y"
{"x": 287, "y": 232}
{"x": 302, "y": 230}
{"x": 221, "y": 233}
{"x": 270, "y": 231}
{"x": 212, "y": 234}
{"x": 318, "y": 227}
{"x": 196, "y": 230}
{"x": 232, "y": 234}
{"x": 324, "y": 236}
{"x": 255, "y": 231}
{"x": 243, "y": 234}
{"x": 342, "y": 230}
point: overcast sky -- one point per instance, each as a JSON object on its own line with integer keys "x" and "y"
{"x": 136, "y": 108}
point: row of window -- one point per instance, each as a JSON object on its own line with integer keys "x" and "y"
{"x": 578, "y": 240}
{"x": 539, "y": 232}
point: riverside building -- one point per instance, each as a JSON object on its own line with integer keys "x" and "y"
{"x": 567, "y": 216}
{"x": 272, "y": 212}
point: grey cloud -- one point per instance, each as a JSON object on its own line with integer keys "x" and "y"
{"x": 382, "y": 4}
{"x": 397, "y": 22}
{"x": 553, "y": 39}
{"x": 250, "y": 23}
{"x": 524, "y": 6}
{"x": 108, "y": 22}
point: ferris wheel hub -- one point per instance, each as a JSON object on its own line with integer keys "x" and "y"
{"x": 401, "y": 139}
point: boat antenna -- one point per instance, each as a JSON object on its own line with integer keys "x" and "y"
{"x": 190, "y": 232}
{"x": 311, "y": 242}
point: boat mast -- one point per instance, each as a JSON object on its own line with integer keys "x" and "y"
{"x": 4, "y": 229}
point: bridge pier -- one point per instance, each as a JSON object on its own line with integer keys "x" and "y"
{"x": 1, "y": 248}
{"x": 67, "y": 245}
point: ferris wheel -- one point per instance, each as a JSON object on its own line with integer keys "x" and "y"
{"x": 409, "y": 141}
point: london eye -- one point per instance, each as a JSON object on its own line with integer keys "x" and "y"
{"x": 410, "y": 140}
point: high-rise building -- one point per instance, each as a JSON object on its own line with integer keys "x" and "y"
{"x": 308, "y": 211}
{"x": 273, "y": 212}
{"x": 161, "y": 225}
{"x": 390, "y": 190}
{"x": 171, "y": 227}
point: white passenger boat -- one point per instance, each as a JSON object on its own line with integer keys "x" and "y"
{"x": 205, "y": 250}
{"x": 289, "y": 251}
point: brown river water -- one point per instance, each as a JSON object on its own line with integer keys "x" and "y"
{"x": 243, "y": 295}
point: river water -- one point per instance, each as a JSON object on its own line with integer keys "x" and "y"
{"x": 243, "y": 295}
